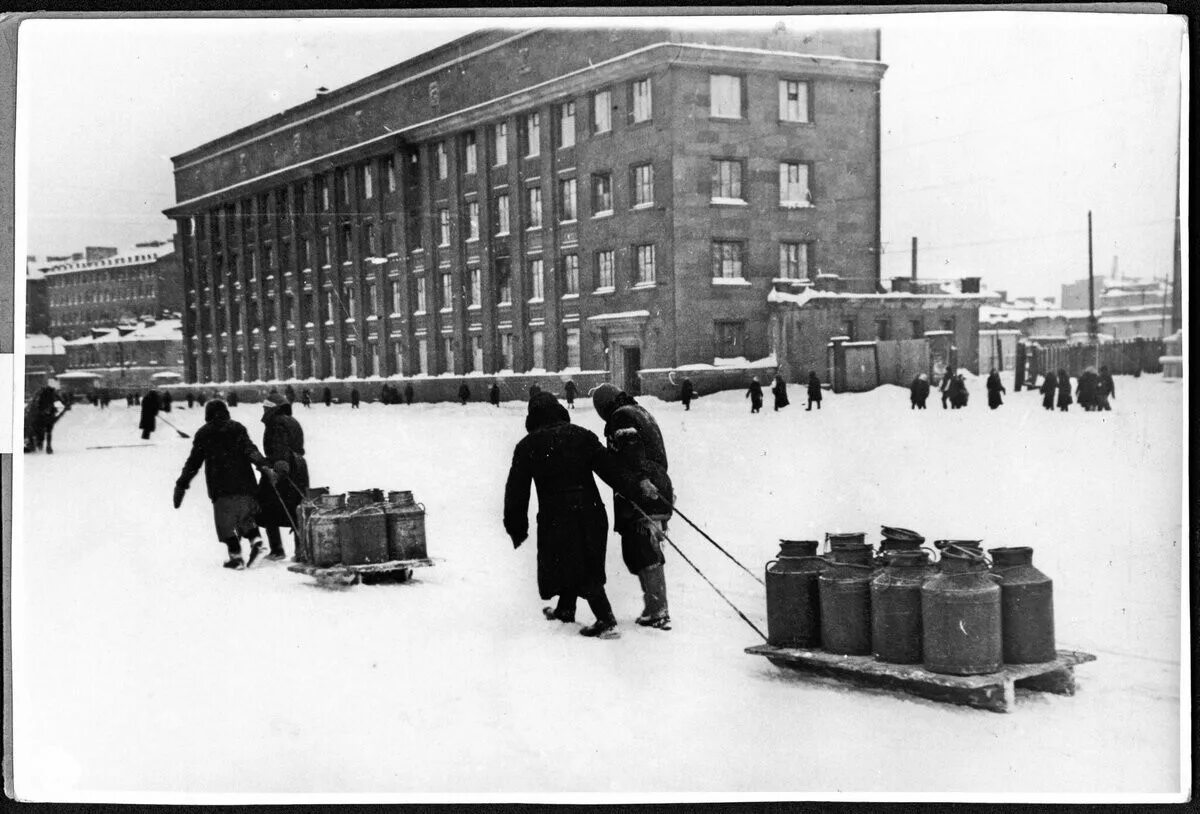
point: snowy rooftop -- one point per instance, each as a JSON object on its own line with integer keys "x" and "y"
{"x": 134, "y": 257}
{"x": 42, "y": 345}
{"x": 810, "y": 295}
{"x": 1008, "y": 313}
{"x": 162, "y": 330}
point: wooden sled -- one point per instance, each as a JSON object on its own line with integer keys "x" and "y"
{"x": 992, "y": 691}
{"x": 373, "y": 574}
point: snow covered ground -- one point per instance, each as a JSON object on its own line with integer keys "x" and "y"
{"x": 143, "y": 666}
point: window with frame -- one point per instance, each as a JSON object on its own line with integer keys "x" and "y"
{"x": 416, "y": 236}
{"x": 503, "y": 281}
{"x": 850, "y": 329}
{"x": 572, "y": 343}
{"x": 389, "y": 236}
{"x": 793, "y": 184}
{"x": 371, "y": 299}
{"x": 566, "y": 124}
{"x": 419, "y": 295}
{"x": 601, "y": 111}
{"x": 501, "y": 215}
{"x": 443, "y": 227}
{"x": 730, "y": 339}
{"x": 506, "y": 351}
{"x": 727, "y": 259}
{"x": 476, "y": 358}
{"x": 640, "y": 108}
{"x": 602, "y": 199}
{"x": 643, "y": 265}
{"x": 536, "y": 290}
{"x": 570, "y": 267}
{"x": 366, "y": 181}
{"x": 398, "y": 358}
{"x": 725, "y": 96}
{"x": 476, "y": 288}
{"x": 793, "y": 101}
{"x": 794, "y": 260}
{"x": 727, "y": 180}
{"x": 447, "y": 353}
{"x": 348, "y": 300}
{"x": 537, "y": 340}
{"x": 396, "y": 299}
{"x": 472, "y": 220}
{"x": 500, "y": 143}
{"x": 643, "y": 185}
{"x": 883, "y": 328}
{"x": 533, "y": 134}
{"x": 566, "y": 200}
{"x": 422, "y": 356}
{"x": 443, "y": 164}
{"x": 389, "y": 173}
{"x": 447, "y": 301}
{"x": 948, "y": 324}
{"x": 534, "y": 200}
{"x": 305, "y": 254}
{"x": 343, "y": 182}
{"x": 345, "y": 235}
{"x": 918, "y": 328}
{"x": 368, "y": 239}
{"x": 323, "y": 192}
{"x": 469, "y": 153}
{"x": 605, "y": 269}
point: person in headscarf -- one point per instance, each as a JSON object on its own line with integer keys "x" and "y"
{"x": 994, "y": 388}
{"x": 779, "y": 391}
{"x": 814, "y": 391}
{"x": 283, "y": 447}
{"x": 1064, "y": 390}
{"x": 1049, "y": 386}
{"x": 755, "y": 394}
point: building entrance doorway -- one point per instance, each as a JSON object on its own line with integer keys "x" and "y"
{"x": 631, "y": 359}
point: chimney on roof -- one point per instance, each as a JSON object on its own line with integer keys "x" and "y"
{"x": 322, "y": 91}
{"x": 95, "y": 253}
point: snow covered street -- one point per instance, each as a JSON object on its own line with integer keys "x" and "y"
{"x": 143, "y": 666}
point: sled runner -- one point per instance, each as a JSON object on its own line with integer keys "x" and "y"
{"x": 992, "y": 691}
{"x": 374, "y": 573}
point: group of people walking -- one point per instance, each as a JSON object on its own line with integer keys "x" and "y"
{"x": 1093, "y": 390}
{"x": 779, "y": 392}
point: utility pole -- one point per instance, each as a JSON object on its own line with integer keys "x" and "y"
{"x": 1092, "y": 326}
{"x": 914, "y": 259}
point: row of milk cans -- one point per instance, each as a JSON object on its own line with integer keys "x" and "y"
{"x": 365, "y": 527}
{"x": 967, "y": 613}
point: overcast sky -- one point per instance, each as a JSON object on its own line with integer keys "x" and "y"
{"x": 1000, "y": 130}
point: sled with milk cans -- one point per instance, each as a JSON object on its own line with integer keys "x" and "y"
{"x": 966, "y": 628}
{"x": 361, "y": 536}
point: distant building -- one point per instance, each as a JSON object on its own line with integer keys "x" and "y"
{"x": 45, "y": 356}
{"x": 37, "y": 299}
{"x": 129, "y": 356}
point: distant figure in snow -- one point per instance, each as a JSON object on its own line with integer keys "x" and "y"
{"x": 779, "y": 391}
{"x": 289, "y": 393}
{"x": 918, "y": 392}
{"x": 1049, "y": 386}
{"x": 306, "y": 398}
{"x": 570, "y": 391}
{"x": 150, "y": 407}
{"x": 944, "y": 387}
{"x": 201, "y": 397}
{"x": 353, "y": 398}
{"x": 191, "y": 399}
{"x": 994, "y": 388}
{"x": 534, "y": 389}
{"x": 814, "y": 391}
{"x": 755, "y": 394}
{"x": 408, "y": 393}
{"x": 1064, "y": 390}
{"x": 464, "y": 393}
{"x": 494, "y": 395}
{"x": 224, "y": 448}
{"x": 283, "y": 447}
{"x": 958, "y": 391}
{"x": 328, "y": 396}
{"x": 687, "y": 392}
{"x": 1087, "y": 389}
{"x": 1105, "y": 389}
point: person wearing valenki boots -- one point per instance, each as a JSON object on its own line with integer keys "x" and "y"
{"x": 225, "y": 450}
{"x": 283, "y": 446}
{"x": 559, "y": 458}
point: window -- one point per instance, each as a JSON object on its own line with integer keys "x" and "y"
{"x": 305, "y": 254}
{"x": 793, "y": 261}
{"x": 367, "y": 180}
{"x": 727, "y": 259}
{"x": 566, "y": 200}
{"x": 572, "y": 336}
{"x": 643, "y": 185}
{"x": 389, "y": 173}
{"x": 850, "y": 329}
{"x": 344, "y": 242}
{"x": 535, "y": 281}
{"x": 469, "y": 153}
{"x": 601, "y": 111}
{"x": 447, "y": 291}
{"x": 793, "y": 184}
{"x": 503, "y": 281}
{"x": 506, "y": 351}
{"x": 566, "y": 125}
{"x": 500, "y": 139}
{"x": 793, "y": 101}
{"x": 443, "y": 168}
{"x": 533, "y": 135}
{"x": 918, "y": 328}
{"x": 601, "y": 193}
{"x": 472, "y": 220}
{"x": 570, "y": 266}
{"x": 730, "y": 339}
{"x": 389, "y": 236}
{"x": 415, "y": 229}
{"x": 477, "y": 353}
{"x": 883, "y": 328}
{"x": 725, "y": 96}
{"x": 343, "y": 190}
{"x": 948, "y": 324}
{"x": 395, "y": 296}
{"x": 605, "y": 269}
{"x": 447, "y": 353}
{"x": 372, "y": 299}
{"x": 538, "y": 340}
{"x": 368, "y": 239}
{"x": 422, "y": 356}
{"x": 640, "y": 106}
{"x": 420, "y": 296}
{"x": 443, "y": 227}
{"x": 534, "y": 199}
{"x": 643, "y": 265}
{"x": 348, "y": 300}
{"x": 398, "y": 357}
{"x": 476, "y": 291}
{"x": 727, "y": 181}
{"x": 502, "y": 214}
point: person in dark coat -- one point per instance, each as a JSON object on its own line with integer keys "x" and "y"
{"x": 354, "y": 398}
{"x": 534, "y": 389}
{"x": 559, "y": 458}
{"x": 687, "y": 392}
{"x": 1048, "y": 388}
{"x": 150, "y": 407}
{"x": 918, "y": 391}
{"x": 41, "y": 414}
{"x": 228, "y": 455}
{"x": 164, "y": 401}
{"x": 464, "y": 393}
{"x": 201, "y": 397}
{"x": 408, "y": 393}
{"x": 289, "y": 393}
{"x": 233, "y": 398}
{"x": 306, "y": 398}
{"x": 283, "y": 447}
{"x": 944, "y": 387}
{"x": 570, "y": 391}
{"x": 327, "y": 396}
{"x": 641, "y": 546}
{"x": 494, "y": 394}
{"x": 958, "y": 392}
{"x": 1087, "y": 389}
{"x": 1064, "y": 390}
{"x": 994, "y": 388}
{"x": 191, "y": 399}
{"x": 755, "y": 394}
{"x": 814, "y": 391}
{"x": 779, "y": 391}
{"x": 1105, "y": 389}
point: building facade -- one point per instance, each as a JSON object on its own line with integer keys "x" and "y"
{"x": 130, "y": 356}
{"x": 534, "y": 200}
{"x": 37, "y": 302}
{"x": 106, "y": 287}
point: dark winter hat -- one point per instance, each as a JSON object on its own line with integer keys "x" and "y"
{"x": 215, "y": 410}
{"x": 274, "y": 400}
{"x": 603, "y": 398}
{"x": 544, "y": 410}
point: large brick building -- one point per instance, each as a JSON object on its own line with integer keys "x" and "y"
{"x": 534, "y": 200}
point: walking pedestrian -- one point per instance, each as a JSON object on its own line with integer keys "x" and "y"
{"x": 306, "y": 398}
{"x": 994, "y": 388}
{"x": 164, "y": 401}
{"x": 958, "y": 391}
{"x": 1064, "y": 390}
{"x": 687, "y": 392}
{"x": 289, "y": 393}
{"x": 408, "y": 393}
{"x": 1105, "y": 389}
{"x": 494, "y": 394}
{"x": 1087, "y": 389}
{"x": 327, "y": 396}
{"x": 779, "y": 391}
{"x": 570, "y": 391}
{"x": 1049, "y": 386}
{"x": 814, "y": 391}
{"x": 150, "y": 407}
{"x": 228, "y": 455}
{"x": 944, "y": 387}
{"x": 283, "y": 447}
{"x": 191, "y": 399}
{"x": 755, "y": 394}
{"x": 354, "y": 398}
{"x": 464, "y": 393}
{"x": 918, "y": 392}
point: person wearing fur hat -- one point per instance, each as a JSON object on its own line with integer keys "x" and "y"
{"x": 633, "y": 433}
{"x": 918, "y": 391}
{"x": 559, "y": 458}
{"x": 228, "y": 455}
{"x": 283, "y": 447}
{"x": 755, "y": 394}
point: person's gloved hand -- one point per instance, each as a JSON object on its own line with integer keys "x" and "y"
{"x": 649, "y": 490}
{"x": 178, "y": 497}
{"x": 283, "y": 467}
{"x": 517, "y": 540}
{"x": 270, "y": 476}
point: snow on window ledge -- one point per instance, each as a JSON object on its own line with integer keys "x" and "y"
{"x": 737, "y": 281}
{"x": 795, "y": 204}
{"x": 574, "y": 296}
{"x": 728, "y": 202}
{"x": 646, "y": 205}
{"x": 604, "y": 213}
{"x": 641, "y": 286}
{"x": 535, "y": 300}
{"x": 604, "y": 289}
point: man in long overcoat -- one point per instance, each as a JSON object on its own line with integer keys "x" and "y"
{"x": 994, "y": 388}
{"x": 283, "y": 447}
{"x": 150, "y": 407}
{"x": 1049, "y": 386}
{"x": 687, "y": 392}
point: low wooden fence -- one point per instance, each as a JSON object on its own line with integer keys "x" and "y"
{"x": 1127, "y": 357}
